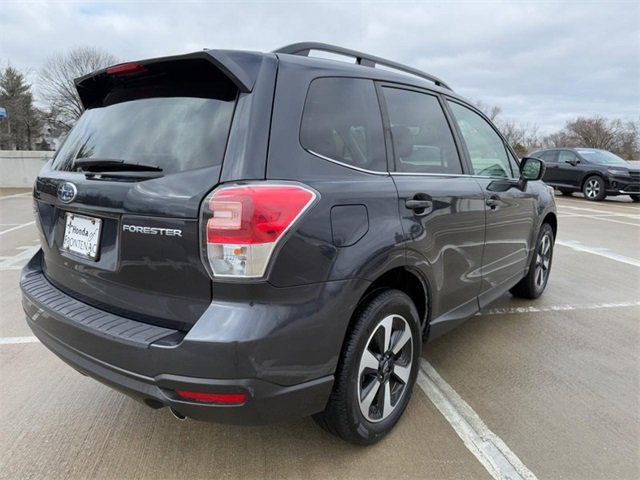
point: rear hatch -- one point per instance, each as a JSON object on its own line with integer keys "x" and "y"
{"x": 118, "y": 205}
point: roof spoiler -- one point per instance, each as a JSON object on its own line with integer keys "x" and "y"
{"x": 240, "y": 67}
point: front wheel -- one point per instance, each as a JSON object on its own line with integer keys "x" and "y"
{"x": 377, "y": 370}
{"x": 635, "y": 198}
{"x": 594, "y": 188}
{"x": 536, "y": 279}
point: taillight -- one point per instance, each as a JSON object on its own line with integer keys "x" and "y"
{"x": 243, "y": 224}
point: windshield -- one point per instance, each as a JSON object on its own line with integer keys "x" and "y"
{"x": 173, "y": 133}
{"x": 602, "y": 157}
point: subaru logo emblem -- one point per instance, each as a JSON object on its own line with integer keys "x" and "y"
{"x": 67, "y": 192}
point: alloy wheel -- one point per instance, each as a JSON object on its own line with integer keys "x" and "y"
{"x": 385, "y": 368}
{"x": 543, "y": 261}
{"x": 592, "y": 189}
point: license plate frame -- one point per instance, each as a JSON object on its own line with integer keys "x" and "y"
{"x": 81, "y": 236}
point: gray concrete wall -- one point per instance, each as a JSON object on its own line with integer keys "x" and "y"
{"x": 18, "y": 168}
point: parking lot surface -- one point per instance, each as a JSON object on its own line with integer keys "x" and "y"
{"x": 551, "y": 385}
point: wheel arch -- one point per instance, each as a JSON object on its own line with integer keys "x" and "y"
{"x": 593, "y": 173}
{"x": 552, "y": 219}
{"x": 407, "y": 280}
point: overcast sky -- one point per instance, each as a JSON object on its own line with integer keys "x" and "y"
{"x": 541, "y": 62}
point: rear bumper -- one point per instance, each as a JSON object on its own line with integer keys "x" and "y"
{"x": 282, "y": 380}
{"x": 266, "y": 401}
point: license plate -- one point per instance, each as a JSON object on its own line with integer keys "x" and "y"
{"x": 82, "y": 236}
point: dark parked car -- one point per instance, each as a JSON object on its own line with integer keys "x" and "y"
{"x": 596, "y": 173}
{"x": 248, "y": 237}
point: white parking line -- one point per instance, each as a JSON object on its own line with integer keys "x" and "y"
{"x": 602, "y": 210}
{"x": 16, "y": 262}
{"x": 583, "y": 201}
{"x": 18, "y": 227}
{"x": 486, "y": 446}
{"x": 16, "y": 195}
{"x": 600, "y": 217}
{"x": 573, "y": 214}
{"x": 558, "y": 308}
{"x": 16, "y": 340}
{"x": 602, "y": 252}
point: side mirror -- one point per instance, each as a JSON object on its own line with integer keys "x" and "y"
{"x": 531, "y": 169}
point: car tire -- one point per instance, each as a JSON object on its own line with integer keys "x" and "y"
{"x": 594, "y": 189}
{"x": 534, "y": 283}
{"x": 635, "y": 198}
{"x": 565, "y": 191}
{"x": 368, "y": 373}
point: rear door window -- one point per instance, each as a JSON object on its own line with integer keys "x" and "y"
{"x": 422, "y": 139}
{"x": 487, "y": 151}
{"x": 548, "y": 156}
{"x": 342, "y": 122}
{"x": 566, "y": 156}
{"x": 177, "y": 118}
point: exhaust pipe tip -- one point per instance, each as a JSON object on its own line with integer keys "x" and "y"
{"x": 177, "y": 414}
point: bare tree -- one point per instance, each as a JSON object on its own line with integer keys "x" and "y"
{"x": 491, "y": 111}
{"x": 629, "y": 140}
{"x": 614, "y": 135}
{"x": 523, "y": 138}
{"x": 594, "y": 132}
{"x": 56, "y": 85}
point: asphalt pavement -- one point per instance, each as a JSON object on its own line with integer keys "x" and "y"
{"x": 537, "y": 389}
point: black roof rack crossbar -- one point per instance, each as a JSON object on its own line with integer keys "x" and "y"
{"x": 365, "y": 59}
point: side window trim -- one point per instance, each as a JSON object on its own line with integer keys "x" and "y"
{"x": 384, "y": 114}
{"x": 457, "y": 128}
{"x": 391, "y": 157}
{"x": 513, "y": 158}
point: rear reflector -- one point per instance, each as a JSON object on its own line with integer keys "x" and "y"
{"x": 126, "y": 69}
{"x": 243, "y": 224}
{"x": 219, "y": 398}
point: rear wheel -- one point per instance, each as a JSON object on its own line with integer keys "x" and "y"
{"x": 635, "y": 198}
{"x": 377, "y": 370}
{"x": 593, "y": 188}
{"x": 536, "y": 280}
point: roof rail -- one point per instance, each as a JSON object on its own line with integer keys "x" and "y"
{"x": 365, "y": 59}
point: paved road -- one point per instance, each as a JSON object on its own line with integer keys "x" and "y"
{"x": 555, "y": 383}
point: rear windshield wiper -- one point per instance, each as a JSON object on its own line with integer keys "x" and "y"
{"x": 95, "y": 165}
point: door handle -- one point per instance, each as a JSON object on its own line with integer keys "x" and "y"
{"x": 493, "y": 202}
{"x": 418, "y": 204}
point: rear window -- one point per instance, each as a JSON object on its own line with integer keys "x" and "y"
{"x": 177, "y": 118}
{"x": 342, "y": 122}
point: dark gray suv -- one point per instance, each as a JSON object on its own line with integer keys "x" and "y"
{"x": 253, "y": 237}
{"x": 596, "y": 173}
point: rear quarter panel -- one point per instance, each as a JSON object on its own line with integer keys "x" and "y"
{"x": 310, "y": 254}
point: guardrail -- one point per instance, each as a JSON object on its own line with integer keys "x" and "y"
{"x": 19, "y": 168}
